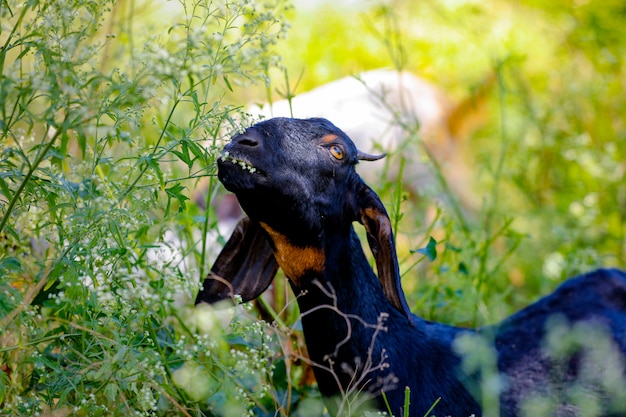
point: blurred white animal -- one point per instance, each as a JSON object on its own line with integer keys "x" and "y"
{"x": 398, "y": 113}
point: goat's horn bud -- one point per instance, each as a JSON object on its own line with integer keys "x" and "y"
{"x": 362, "y": 156}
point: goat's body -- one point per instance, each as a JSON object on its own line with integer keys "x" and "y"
{"x": 296, "y": 181}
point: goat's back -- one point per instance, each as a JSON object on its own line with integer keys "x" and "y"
{"x": 571, "y": 340}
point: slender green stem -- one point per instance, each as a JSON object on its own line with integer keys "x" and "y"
{"x": 432, "y": 407}
{"x": 143, "y": 170}
{"x": 205, "y": 229}
{"x": 31, "y": 170}
{"x": 407, "y": 401}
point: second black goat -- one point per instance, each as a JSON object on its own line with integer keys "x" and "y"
{"x": 295, "y": 180}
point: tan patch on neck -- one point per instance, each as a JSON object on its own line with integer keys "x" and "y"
{"x": 295, "y": 261}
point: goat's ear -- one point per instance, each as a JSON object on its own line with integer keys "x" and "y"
{"x": 374, "y": 217}
{"x": 246, "y": 266}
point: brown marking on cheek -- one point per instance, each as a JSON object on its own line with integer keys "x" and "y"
{"x": 295, "y": 261}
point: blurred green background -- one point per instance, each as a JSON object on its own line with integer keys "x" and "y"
{"x": 547, "y": 154}
{"x": 112, "y": 116}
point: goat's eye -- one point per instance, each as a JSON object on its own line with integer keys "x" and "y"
{"x": 336, "y": 151}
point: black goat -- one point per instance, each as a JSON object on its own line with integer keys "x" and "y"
{"x": 296, "y": 181}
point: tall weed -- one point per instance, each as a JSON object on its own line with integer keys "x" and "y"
{"x": 103, "y": 130}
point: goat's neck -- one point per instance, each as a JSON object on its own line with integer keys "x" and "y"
{"x": 358, "y": 341}
{"x": 345, "y": 315}
{"x": 346, "y": 281}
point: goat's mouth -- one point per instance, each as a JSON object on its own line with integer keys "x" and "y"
{"x": 245, "y": 165}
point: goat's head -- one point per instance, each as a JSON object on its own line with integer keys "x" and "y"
{"x": 295, "y": 180}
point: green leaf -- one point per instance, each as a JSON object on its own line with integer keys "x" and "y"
{"x": 183, "y": 154}
{"x": 430, "y": 250}
{"x": 157, "y": 284}
{"x": 10, "y": 263}
{"x": 4, "y": 188}
{"x": 152, "y": 163}
{"x": 82, "y": 142}
{"x": 175, "y": 192}
{"x": 198, "y": 151}
{"x": 230, "y": 87}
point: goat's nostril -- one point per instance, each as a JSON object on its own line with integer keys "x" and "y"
{"x": 248, "y": 141}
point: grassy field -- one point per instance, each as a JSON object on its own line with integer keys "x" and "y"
{"x": 111, "y": 118}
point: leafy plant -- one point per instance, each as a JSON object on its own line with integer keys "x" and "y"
{"x": 100, "y": 141}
